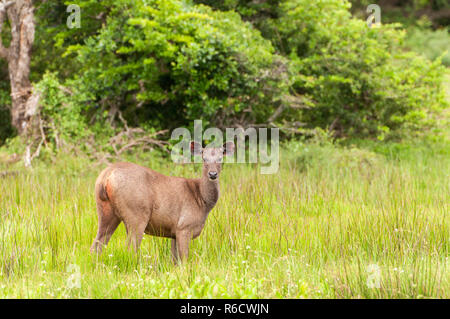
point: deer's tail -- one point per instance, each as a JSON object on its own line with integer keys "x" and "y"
{"x": 101, "y": 186}
{"x": 102, "y": 194}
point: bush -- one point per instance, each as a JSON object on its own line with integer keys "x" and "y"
{"x": 166, "y": 63}
{"x": 359, "y": 79}
{"x": 362, "y": 82}
{"x": 161, "y": 64}
{"x": 60, "y": 113}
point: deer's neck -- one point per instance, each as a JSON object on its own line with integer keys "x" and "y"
{"x": 209, "y": 191}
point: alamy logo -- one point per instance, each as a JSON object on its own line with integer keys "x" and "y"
{"x": 258, "y": 145}
{"x": 74, "y": 19}
{"x": 74, "y": 280}
{"x": 374, "y": 277}
{"x": 375, "y": 15}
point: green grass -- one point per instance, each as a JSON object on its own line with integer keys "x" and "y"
{"x": 312, "y": 231}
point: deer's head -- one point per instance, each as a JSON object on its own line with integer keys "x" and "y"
{"x": 212, "y": 158}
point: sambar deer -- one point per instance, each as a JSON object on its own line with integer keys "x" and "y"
{"x": 152, "y": 203}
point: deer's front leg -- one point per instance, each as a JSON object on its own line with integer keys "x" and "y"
{"x": 174, "y": 251}
{"x": 183, "y": 238}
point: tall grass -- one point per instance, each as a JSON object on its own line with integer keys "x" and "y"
{"x": 316, "y": 229}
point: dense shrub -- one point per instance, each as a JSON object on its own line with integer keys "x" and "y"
{"x": 165, "y": 63}
{"x": 362, "y": 81}
{"x": 161, "y": 64}
{"x": 60, "y": 113}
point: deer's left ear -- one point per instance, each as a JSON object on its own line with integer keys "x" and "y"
{"x": 196, "y": 148}
{"x": 228, "y": 148}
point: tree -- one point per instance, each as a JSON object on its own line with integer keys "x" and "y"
{"x": 20, "y": 14}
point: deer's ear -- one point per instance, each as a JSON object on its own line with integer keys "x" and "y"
{"x": 228, "y": 148}
{"x": 196, "y": 148}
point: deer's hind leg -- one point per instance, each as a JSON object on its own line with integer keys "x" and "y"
{"x": 107, "y": 225}
{"x": 135, "y": 225}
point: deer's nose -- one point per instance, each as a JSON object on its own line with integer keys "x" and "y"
{"x": 212, "y": 175}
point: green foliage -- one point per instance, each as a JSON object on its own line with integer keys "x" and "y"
{"x": 47, "y": 54}
{"x": 62, "y": 115}
{"x": 164, "y": 63}
{"x": 433, "y": 44}
{"x": 362, "y": 82}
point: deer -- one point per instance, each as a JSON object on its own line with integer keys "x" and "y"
{"x": 148, "y": 202}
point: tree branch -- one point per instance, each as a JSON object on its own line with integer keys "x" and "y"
{"x": 5, "y": 5}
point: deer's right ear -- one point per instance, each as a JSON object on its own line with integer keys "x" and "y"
{"x": 228, "y": 148}
{"x": 196, "y": 148}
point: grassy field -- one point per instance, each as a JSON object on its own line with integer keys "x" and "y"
{"x": 334, "y": 222}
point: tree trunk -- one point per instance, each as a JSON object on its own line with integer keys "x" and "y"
{"x": 18, "y": 55}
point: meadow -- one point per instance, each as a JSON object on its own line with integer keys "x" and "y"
{"x": 359, "y": 219}
{"x": 368, "y": 220}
